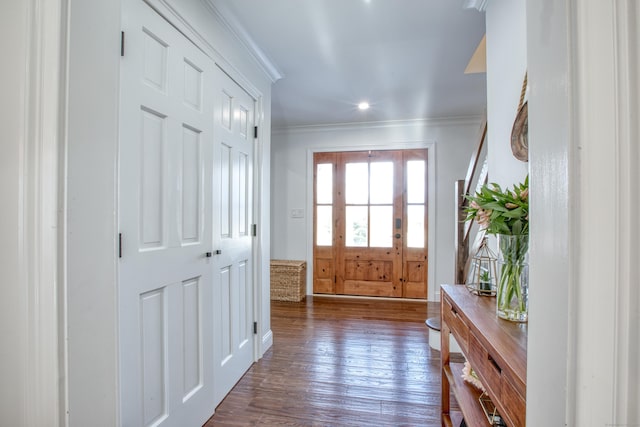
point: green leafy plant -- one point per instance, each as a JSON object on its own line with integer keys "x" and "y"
{"x": 485, "y": 281}
{"x": 506, "y": 213}
{"x": 501, "y": 212}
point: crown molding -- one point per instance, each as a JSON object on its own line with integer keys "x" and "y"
{"x": 231, "y": 23}
{"x": 445, "y": 121}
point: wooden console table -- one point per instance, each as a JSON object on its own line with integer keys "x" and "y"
{"x": 495, "y": 348}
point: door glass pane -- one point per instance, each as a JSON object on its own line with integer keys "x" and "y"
{"x": 415, "y": 226}
{"x": 324, "y": 234}
{"x": 415, "y": 181}
{"x": 381, "y": 183}
{"x": 324, "y": 183}
{"x": 356, "y": 178}
{"x": 381, "y": 226}
{"x": 356, "y": 226}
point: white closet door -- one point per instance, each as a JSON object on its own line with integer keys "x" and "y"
{"x": 165, "y": 285}
{"x": 233, "y": 208}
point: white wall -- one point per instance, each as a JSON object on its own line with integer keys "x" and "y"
{"x": 506, "y": 66}
{"x": 451, "y": 141}
{"x": 551, "y": 258}
{"x": 90, "y": 212}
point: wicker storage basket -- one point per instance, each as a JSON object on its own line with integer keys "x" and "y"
{"x": 288, "y": 280}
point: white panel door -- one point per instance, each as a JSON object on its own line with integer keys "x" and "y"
{"x": 233, "y": 208}
{"x": 165, "y": 206}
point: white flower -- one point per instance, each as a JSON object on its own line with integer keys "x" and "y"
{"x": 470, "y": 376}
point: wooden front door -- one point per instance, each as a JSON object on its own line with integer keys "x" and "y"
{"x": 370, "y": 223}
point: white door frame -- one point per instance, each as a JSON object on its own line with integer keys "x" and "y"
{"x": 32, "y": 273}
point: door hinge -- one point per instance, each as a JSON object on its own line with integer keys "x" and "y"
{"x": 254, "y": 230}
{"x": 255, "y": 131}
{"x": 121, "y": 43}
{"x": 255, "y": 327}
{"x": 119, "y": 245}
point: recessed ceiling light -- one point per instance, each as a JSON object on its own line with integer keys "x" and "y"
{"x": 363, "y": 106}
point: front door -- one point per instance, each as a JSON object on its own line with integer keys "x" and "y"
{"x": 370, "y": 223}
{"x": 165, "y": 278}
{"x": 232, "y": 231}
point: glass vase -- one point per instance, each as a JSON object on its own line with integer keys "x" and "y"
{"x": 512, "y": 297}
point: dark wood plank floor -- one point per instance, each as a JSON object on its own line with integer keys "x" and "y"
{"x": 341, "y": 362}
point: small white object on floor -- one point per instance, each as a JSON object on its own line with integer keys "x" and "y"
{"x": 434, "y": 337}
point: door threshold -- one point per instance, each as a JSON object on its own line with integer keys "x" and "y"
{"x": 370, "y": 298}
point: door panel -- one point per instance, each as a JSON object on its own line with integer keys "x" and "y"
{"x": 369, "y": 277}
{"x": 415, "y": 267}
{"x": 369, "y": 255}
{"x": 323, "y": 275}
{"x": 191, "y": 335}
{"x": 324, "y": 262}
{"x": 233, "y": 203}
{"x": 370, "y": 234}
{"x": 153, "y": 355}
{"x": 165, "y": 171}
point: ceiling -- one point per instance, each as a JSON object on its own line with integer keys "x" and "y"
{"x": 405, "y": 57}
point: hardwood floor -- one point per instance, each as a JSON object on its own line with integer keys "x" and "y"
{"x": 341, "y": 362}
